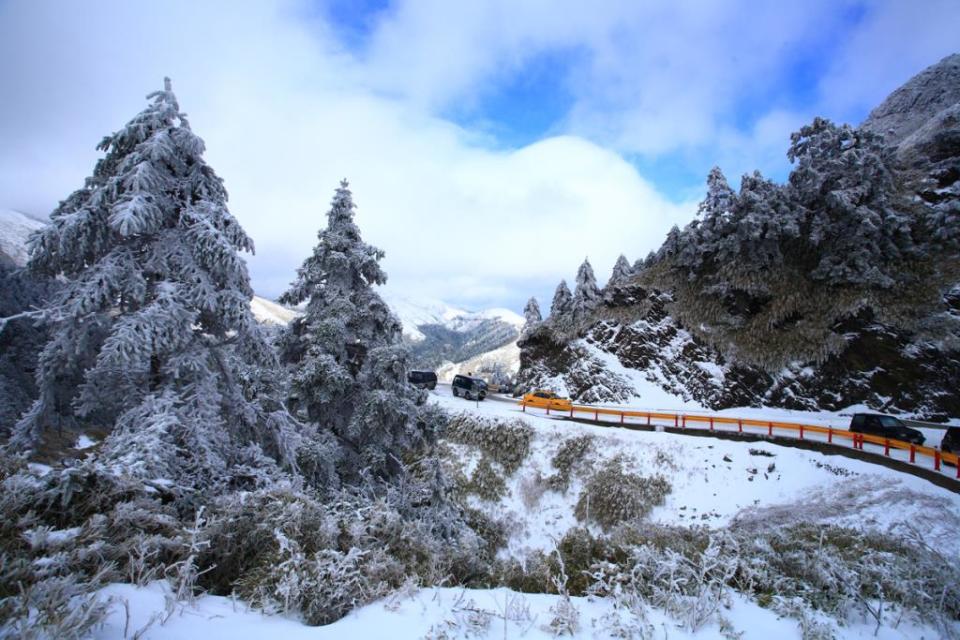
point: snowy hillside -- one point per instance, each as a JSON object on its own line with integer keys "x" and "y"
{"x": 505, "y": 359}
{"x": 270, "y": 312}
{"x": 747, "y": 503}
{"x": 415, "y": 313}
{"x": 15, "y": 228}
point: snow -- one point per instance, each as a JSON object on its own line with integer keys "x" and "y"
{"x": 270, "y": 312}
{"x": 84, "y": 442}
{"x": 15, "y": 228}
{"x": 715, "y": 481}
{"x": 461, "y": 613}
{"x": 416, "y": 312}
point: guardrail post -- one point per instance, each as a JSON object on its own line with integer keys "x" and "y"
{"x": 648, "y": 419}
{"x": 622, "y": 416}
{"x": 913, "y": 453}
{"x": 739, "y": 426}
{"x": 675, "y": 421}
{"x": 936, "y": 459}
{"x": 711, "y": 423}
{"x": 548, "y": 409}
{"x": 830, "y": 435}
{"x": 801, "y": 432}
{"x": 523, "y": 407}
{"x": 684, "y": 421}
{"x": 769, "y": 428}
{"x": 596, "y": 416}
{"x": 886, "y": 447}
{"x": 571, "y": 412}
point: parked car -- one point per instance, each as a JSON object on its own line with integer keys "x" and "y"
{"x": 884, "y": 426}
{"x": 469, "y": 388}
{"x": 423, "y": 379}
{"x": 951, "y": 441}
{"x": 547, "y": 400}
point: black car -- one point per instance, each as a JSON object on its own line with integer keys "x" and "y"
{"x": 469, "y": 388}
{"x": 885, "y": 427}
{"x": 423, "y": 379}
{"x": 951, "y": 441}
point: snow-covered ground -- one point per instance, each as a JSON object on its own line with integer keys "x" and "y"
{"x": 715, "y": 481}
{"x": 434, "y": 613}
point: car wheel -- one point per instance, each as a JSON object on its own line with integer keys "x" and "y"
{"x": 455, "y": 394}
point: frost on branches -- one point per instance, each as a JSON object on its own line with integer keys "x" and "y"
{"x": 531, "y": 315}
{"x": 348, "y": 365}
{"x": 152, "y": 334}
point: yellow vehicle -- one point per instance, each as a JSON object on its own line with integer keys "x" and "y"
{"x": 547, "y": 400}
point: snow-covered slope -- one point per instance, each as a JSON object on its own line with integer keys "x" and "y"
{"x": 269, "y": 312}
{"x": 15, "y": 228}
{"x": 415, "y": 313}
{"x": 505, "y": 359}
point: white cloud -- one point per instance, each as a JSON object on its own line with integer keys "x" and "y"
{"x": 285, "y": 118}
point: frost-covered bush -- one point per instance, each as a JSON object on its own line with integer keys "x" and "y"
{"x": 567, "y": 459}
{"x": 487, "y": 481}
{"x": 506, "y": 441}
{"x": 612, "y": 495}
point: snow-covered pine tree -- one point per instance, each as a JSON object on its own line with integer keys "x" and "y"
{"x": 562, "y": 304}
{"x": 348, "y": 365}
{"x": 586, "y": 296}
{"x": 621, "y": 272}
{"x": 152, "y": 323}
{"x": 845, "y": 181}
{"x": 531, "y": 315}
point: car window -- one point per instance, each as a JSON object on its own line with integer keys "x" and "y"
{"x": 889, "y": 423}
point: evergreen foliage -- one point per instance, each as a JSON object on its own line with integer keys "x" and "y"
{"x": 562, "y": 305}
{"x": 586, "y": 296}
{"x": 151, "y": 332}
{"x": 622, "y": 271}
{"x": 347, "y": 363}
{"x": 531, "y": 314}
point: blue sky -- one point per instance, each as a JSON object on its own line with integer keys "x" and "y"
{"x": 491, "y": 146}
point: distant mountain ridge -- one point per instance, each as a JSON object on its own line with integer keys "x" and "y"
{"x": 439, "y": 333}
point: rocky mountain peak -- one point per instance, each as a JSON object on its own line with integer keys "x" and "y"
{"x": 923, "y": 97}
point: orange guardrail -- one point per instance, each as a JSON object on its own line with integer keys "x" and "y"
{"x": 795, "y": 430}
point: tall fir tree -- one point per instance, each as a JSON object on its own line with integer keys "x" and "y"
{"x": 152, "y": 334}
{"x": 586, "y": 296}
{"x": 621, "y": 272}
{"x": 531, "y": 316}
{"x": 562, "y": 304}
{"x": 348, "y": 364}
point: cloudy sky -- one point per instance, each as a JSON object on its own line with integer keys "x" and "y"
{"x": 491, "y": 146}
